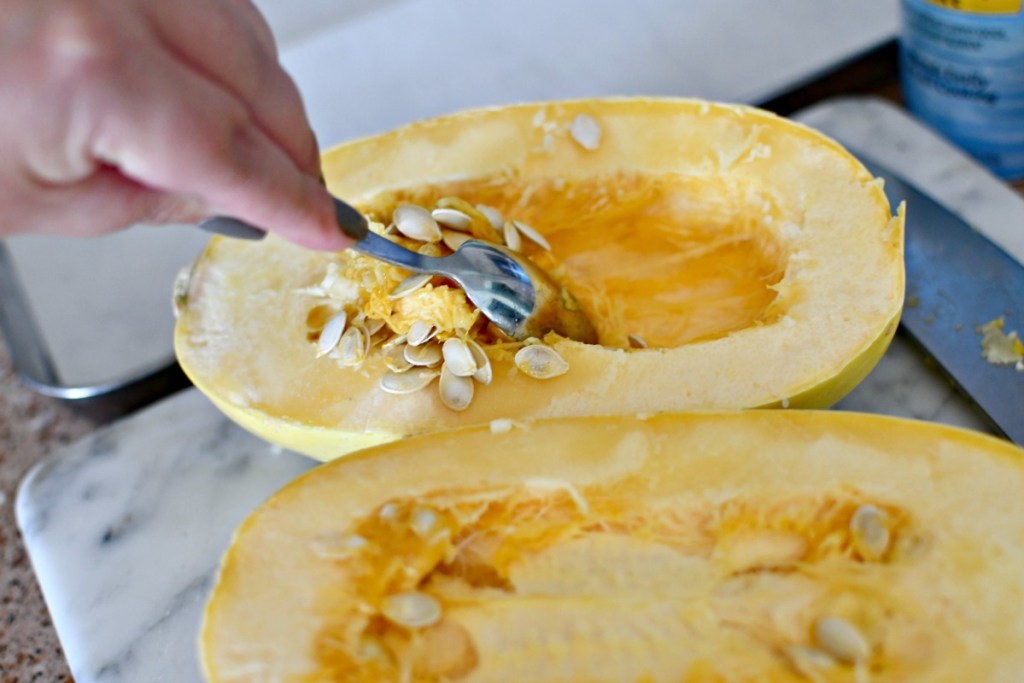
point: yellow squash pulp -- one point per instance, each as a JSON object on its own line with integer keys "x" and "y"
{"x": 728, "y": 259}
{"x": 759, "y": 546}
{"x": 668, "y": 258}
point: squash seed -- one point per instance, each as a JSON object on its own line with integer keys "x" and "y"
{"x": 481, "y": 227}
{"x": 869, "y": 532}
{"x": 388, "y": 512}
{"x": 841, "y": 639}
{"x": 420, "y": 332}
{"x": 586, "y": 131}
{"x": 503, "y": 425}
{"x": 397, "y": 340}
{"x": 457, "y": 203}
{"x": 411, "y": 609}
{"x": 374, "y": 325}
{"x": 512, "y": 237}
{"x": 331, "y": 334}
{"x": 484, "y": 374}
{"x": 454, "y": 239}
{"x": 458, "y": 357}
{"x": 416, "y": 223}
{"x": 424, "y": 522}
{"x": 452, "y": 218}
{"x": 410, "y": 285}
{"x": 354, "y": 345}
{"x": 424, "y": 355}
{"x": 456, "y": 392}
{"x": 540, "y": 362}
{"x": 492, "y": 214}
{"x": 809, "y": 662}
{"x": 531, "y": 234}
{"x": 407, "y": 382}
{"x": 637, "y": 342}
{"x": 337, "y": 546}
{"x": 395, "y": 360}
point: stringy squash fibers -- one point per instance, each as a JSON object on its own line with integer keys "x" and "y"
{"x": 763, "y": 546}
{"x": 728, "y": 258}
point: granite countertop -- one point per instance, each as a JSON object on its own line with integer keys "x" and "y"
{"x": 32, "y": 426}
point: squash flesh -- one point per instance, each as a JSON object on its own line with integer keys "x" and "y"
{"x": 670, "y": 258}
{"x": 522, "y": 580}
{"x": 684, "y": 547}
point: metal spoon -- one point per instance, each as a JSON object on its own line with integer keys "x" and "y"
{"x": 513, "y": 293}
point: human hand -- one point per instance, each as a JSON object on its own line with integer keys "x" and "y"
{"x": 121, "y": 111}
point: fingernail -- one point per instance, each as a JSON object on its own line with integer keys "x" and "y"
{"x": 314, "y": 160}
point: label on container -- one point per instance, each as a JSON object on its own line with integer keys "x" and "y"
{"x": 981, "y": 6}
{"x": 963, "y": 73}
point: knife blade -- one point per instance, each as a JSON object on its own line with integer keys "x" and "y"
{"x": 957, "y": 281}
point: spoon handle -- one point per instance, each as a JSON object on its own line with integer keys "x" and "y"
{"x": 232, "y": 227}
{"x": 385, "y": 250}
{"x": 351, "y": 222}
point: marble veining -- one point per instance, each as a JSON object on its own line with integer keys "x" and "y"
{"x": 126, "y": 528}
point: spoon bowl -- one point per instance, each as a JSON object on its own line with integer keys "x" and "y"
{"x": 513, "y": 293}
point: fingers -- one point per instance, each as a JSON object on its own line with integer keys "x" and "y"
{"x": 228, "y": 42}
{"x": 173, "y": 130}
{"x": 121, "y": 127}
{"x": 248, "y": 11}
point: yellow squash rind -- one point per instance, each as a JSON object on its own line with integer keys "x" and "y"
{"x": 713, "y": 546}
{"x": 240, "y": 337}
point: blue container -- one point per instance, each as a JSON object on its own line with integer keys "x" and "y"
{"x": 962, "y": 69}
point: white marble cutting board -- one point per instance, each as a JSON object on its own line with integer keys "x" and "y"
{"x": 125, "y": 529}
